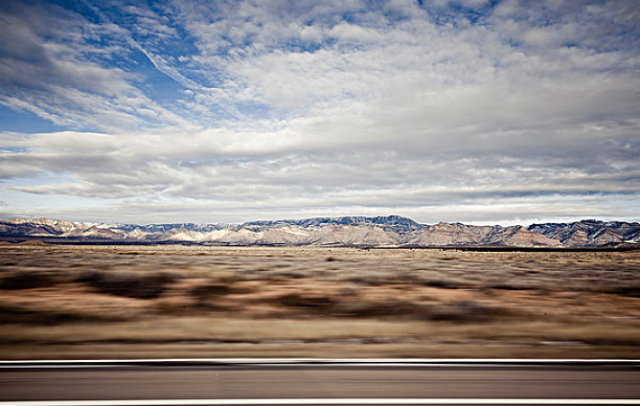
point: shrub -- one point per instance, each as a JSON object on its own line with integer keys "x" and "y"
{"x": 17, "y": 315}
{"x": 203, "y": 292}
{"x": 632, "y": 291}
{"x": 394, "y": 307}
{"x": 27, "y": 280}
{"x": 441, "y": 284}
{"x": 306, "y": 302}
{"x": 128, "y": 284}
{"x": 462, "y": 311}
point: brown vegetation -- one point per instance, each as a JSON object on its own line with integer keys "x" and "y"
{"x": 314, "y": 302}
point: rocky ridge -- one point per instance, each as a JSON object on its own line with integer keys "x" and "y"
{"x": 382, "y": 231}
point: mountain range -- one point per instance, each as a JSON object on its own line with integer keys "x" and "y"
{"x": 383, "y": 231}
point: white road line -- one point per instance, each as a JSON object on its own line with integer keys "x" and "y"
{"x": 368, "y": 361}
{"x": 329, "y": 401}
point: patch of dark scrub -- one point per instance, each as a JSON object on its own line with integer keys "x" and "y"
{"x": 441, "y": 284}
{"x": 285, "y": 275}
{"x": 385, "y": 308}
{"x": 631, "y": 291}
{"x": 507, "y": 286}
{"x": 15, "y": 315}
{"x": 28, "y": 280}
{"x": 612, "y": 342}
{"x": 339, "y": 306}
{"x": 319, "y": 303}
{"x": 206, "y": 296}
{"x": 463, "y": 311}
{"x": 210, "y": 290}
{"x": 128, "y": 284}
{"x": 361, "y": 280}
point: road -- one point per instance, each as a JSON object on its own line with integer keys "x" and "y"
{"x": 309, "y": 381}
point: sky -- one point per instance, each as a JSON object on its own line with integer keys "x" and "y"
{"x": 474, "y": 111}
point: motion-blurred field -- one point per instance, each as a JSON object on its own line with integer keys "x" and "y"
{"x": 174, "y": 301}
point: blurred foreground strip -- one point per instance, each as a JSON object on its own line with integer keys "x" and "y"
{"x": 328, "y": 401}
{"x": 119, "y": 302}
{"x": 306, "y": 362}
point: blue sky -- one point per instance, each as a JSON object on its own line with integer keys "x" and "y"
{"x": 484, "y": 112}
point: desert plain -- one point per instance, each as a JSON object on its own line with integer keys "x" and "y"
{"x": 172, "y": 301}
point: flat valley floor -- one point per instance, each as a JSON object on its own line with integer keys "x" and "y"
{"x": 90, "y": 302}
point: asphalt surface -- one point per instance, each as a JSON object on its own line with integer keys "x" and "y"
{"x": 133, "y": 382}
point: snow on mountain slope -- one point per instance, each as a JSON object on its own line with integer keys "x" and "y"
{"x": 324, "y": 231}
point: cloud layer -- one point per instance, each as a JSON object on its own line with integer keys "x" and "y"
{"x": 471, "y": 111}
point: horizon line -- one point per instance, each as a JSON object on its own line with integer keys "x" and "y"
{"x": 249, "y": 222}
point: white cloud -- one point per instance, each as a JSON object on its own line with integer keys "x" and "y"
{"x": 47, "y": 68}
{"x": 290, "y": 109}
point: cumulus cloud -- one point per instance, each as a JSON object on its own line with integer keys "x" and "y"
{"x": 229, "y": 111}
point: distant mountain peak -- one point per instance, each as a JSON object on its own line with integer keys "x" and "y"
{"x": 377, "y": 231}
{"x": 391, "y": 220}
